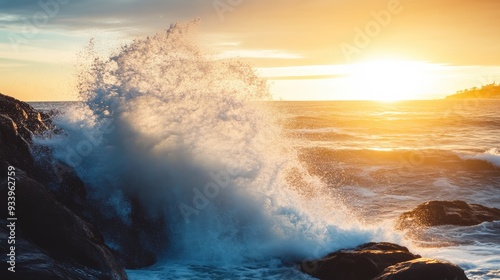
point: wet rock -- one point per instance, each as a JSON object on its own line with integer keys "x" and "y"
{"x": 14, "y": 149}
{"x": 56, "y": 243}
{"x": 436, "y": 213}
{"x": 58, "y": 232}
{"x": 33, "y": 262}
{"x": 29, "y": 120}
{"x": 19, "y": 122}
{"x": 134, "y": 242}
{"x": 361, "y": 263}
{"x": 422, "y": 268}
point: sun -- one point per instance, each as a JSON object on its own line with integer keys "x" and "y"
{"x": 390, "y": 80}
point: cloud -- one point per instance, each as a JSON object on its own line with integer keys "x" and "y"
{"x": 276, "y": 54}
{"x": 305, "y": 71}
{"x": 9, "y": 64}
{"x": 314, "y": 29}
{"x": 32, "y": 55}
{"x": 95, "y": 14}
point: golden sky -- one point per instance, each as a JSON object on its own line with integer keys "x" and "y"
{"x": 315, "y": 49}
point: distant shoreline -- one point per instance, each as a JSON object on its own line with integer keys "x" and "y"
{"x": 490, "y": 91}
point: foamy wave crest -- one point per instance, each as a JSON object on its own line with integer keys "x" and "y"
{"x": 492, "y": 156}
{"x": 190, "y": 137}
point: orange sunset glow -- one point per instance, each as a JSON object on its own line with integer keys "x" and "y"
{"x": 250, "y": 139}
{"x": 356, "y": 49}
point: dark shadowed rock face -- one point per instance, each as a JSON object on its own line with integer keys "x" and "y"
{"x": 435, "y": 213}
{"x": 361, "y": 263}
{"x": 19, "y": 122}
{"x": 54, "y": 242}
{"x": 33, "y": 262}
{"x": 138, "y": 239}
{"x": 14, "y": 148}
{"x": 58, "y": 232}
{"x": 420, "y": 269}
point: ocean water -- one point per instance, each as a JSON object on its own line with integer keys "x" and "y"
{"x": 377, "y": 160}
{"x": 249, "y": 187}
{"x": 386, "y": 158}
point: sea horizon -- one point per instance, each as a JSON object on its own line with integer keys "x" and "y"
{"x": 231, "y": 139}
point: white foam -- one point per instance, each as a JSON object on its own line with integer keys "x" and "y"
{"x": 492, "y": 156}
{"x": 161, "y": 118}
{"x": 478, "y": 262}
{"x": 165, "y": 117}
{"x": 444, "y": 183}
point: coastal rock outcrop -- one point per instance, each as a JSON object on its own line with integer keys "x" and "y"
{"x": 459, "y": 213}
{"x": 361, "y": 263}
{"x": 380, "y": 261}
{"x": 57, "y": 236}
{"x": 422, "y": 268}
{"x": 137, "y": 240}
{"x": 14, "y": 148}
{"x": 52, "y": 240}
{"x": 33, "y": 263}
{"x": 28, "y": 120}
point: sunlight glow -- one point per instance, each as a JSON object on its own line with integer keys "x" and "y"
{"x": 390, "y": 80}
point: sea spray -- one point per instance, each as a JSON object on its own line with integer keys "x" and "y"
{"x": 192, "y": 139}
